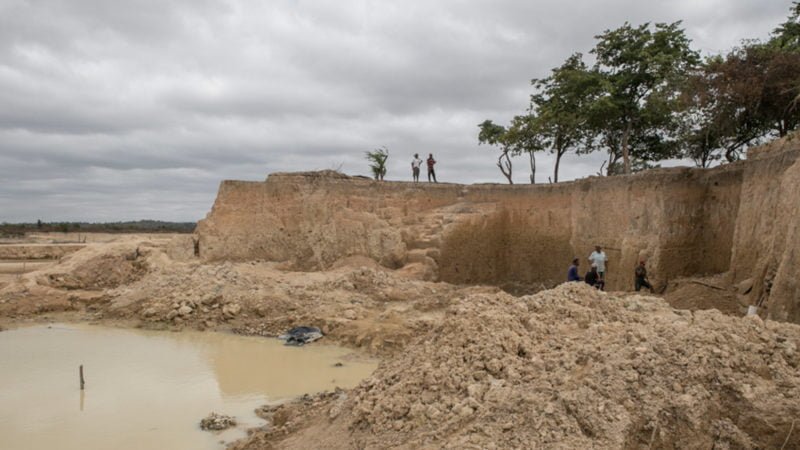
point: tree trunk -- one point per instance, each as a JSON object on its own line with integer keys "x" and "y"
{"x": 626, "y": 158}
{"x": 505, "y": 166}
{"x": 730, "y": 153}
{"x": 533, "y": 167}
{"x": 559, "y": 154}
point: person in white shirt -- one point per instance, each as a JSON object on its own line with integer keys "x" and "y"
{"x": 415, "y": 165}
{"x": 599, "y": 258}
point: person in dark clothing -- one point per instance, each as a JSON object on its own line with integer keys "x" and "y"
{"x": 431, "y": 172}
{"x": 572, "y": 273}
{"x": 593, "y": 279}
{"x": 641, "y": 278}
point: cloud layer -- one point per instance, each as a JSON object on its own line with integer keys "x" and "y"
{"x": 116, "y": 111}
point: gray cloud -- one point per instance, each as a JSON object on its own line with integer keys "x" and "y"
{"x": 139, "y": 109}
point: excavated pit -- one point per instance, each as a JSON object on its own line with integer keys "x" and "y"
{"x": 410, "y": 272}
{"x": 740, "y": 219}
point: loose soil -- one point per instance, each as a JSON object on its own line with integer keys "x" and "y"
{"x": 466, "y": 367}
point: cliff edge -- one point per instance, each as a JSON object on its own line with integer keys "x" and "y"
{"x": 739, "y": 220}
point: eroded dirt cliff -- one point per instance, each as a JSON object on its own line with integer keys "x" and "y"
{"x": 740, "y": 220}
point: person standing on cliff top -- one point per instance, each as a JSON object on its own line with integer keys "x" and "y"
{"x": 599, "y": 259}
{"x": 641, "y": 278}
{"x": 431, "y": 172}
{"x": 572, "y": 273}
{"x": 416, "y": 163}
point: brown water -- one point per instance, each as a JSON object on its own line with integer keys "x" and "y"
{"x": 150, "y": 389}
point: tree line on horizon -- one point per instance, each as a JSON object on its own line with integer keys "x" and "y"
{"x": 137, "y": 226}
{"x": 649, "y": 97}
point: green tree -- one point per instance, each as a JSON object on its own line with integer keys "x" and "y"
{"x": 561, "y": 103}
{"x": 787, "y": 35}
{"x": 741, "y": 98}
{"x": 496, "y": 135}
{"x": 780, "y": 87}
{"x": 377, "y": 162}
{"x": 525, "y": 136}
{"x": 643, "y": 70}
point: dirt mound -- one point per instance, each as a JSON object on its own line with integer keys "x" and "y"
{"x": 571, "y": 368}
{"x": 368, "y": 307}
{"x": 98, "y": 267}
{"x": 705, "y": 293}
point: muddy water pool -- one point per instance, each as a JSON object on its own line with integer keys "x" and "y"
{"x": 149, "y": 389}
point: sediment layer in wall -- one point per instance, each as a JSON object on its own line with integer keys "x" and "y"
{"x": 741, "y": 219}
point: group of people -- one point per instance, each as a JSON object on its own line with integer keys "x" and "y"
{"x": 596, "y": 276}
{"x": 416, "y": 163}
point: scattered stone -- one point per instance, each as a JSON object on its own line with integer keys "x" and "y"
{"x": 217, "y": 422}
{"x": 299, "y": 336}
{"x": 210, "y": 299}
{"x": 185, "y": 310}
{"x": 230, "y": 310}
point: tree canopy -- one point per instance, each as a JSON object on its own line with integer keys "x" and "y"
{"x": 649, "y": 97}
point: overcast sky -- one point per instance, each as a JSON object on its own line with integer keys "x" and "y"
{"x": 138, "y": 109}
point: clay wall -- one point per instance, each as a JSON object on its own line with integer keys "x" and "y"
{"x": 740, "y": 219}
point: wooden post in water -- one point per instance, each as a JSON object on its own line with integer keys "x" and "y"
{"x": 81, "y": 373}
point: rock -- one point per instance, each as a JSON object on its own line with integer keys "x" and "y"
{"x": 172, "y": 314}
{"x": 789, "y": 349}
{"x": 744, "y": 287}
{"x": 231, "y": 310}
{"x": 466, "y": 411}
{"x": 149, "y": 312}
{"x": 210, "y": 299}
{"x": 217, "y": 422}
{"x": 350, "y": 314}
{"x": 185, "y": 310}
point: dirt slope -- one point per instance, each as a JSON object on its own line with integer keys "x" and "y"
{"x": 566, "y": 368}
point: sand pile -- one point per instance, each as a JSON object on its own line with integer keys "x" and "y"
{"x": 367, "y": 307}
{"x": 99, "y": 266}
{"x": 573, "y": 368}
